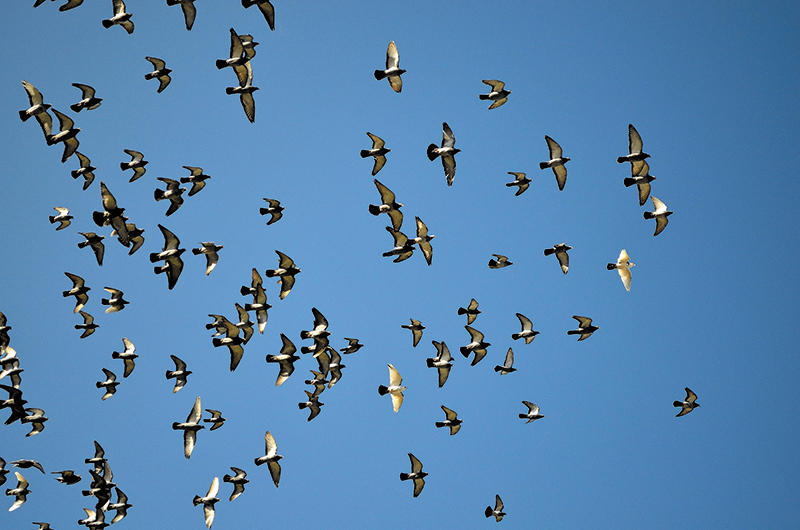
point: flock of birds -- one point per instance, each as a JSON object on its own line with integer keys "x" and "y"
{"x": 235, "y": 335}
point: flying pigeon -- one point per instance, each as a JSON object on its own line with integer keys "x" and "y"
{"x": 171, "y": 254}
{"x": 244, "y": 73}
{"x": 403, "y": 248}
{"x": 67, "y": 477}
{"x": 88, "y": 325}
{"x": 67, "y": 135}
{"x": 260, "y": 306}
{"x": 497, "y": 512}
{"x": 197, "y": 178}
{"x": 128, "y": 356}
{"x": 271, "y": 458}
{"x": 660, "y": 214}
{"x": 179, "y": 374}
{"x": 623, "y": 266}
{"x": 275, "y": 210}
{"x": 443, "y": 362}
{"x": 560, "y": 251}
{"x": 447, "y": 151}
{"x": 85, "y": 171}
{"x": 96, "y": 242}
{"x": 498, "y": 94}
{"x": 417, "y": 475}
{"x": 527, "y": 332}
{"x": 388, "y": 206}
{"x": 393, "y": 70}
{"x": 423, "y": 241}
{"x": 115, "y": 302}
{"x": 508, "y": 364}
{"x": 312, "y": 403}
{"x": 120, "y": 18}
{"x": 634, "y": 147}
{"x": 88, "y": 99}
{"x": 137, "y": 164}
{"x": 173, "y": 193}
{"x": 63, "y": 218}
{"x": 394, "y": 388}
{"x": 556, "y": 162}
{"x": 500, "y": 262}
{"x": 190, "y": 428}
{"x": 585, "y": 328}
{"x": 451, "y": 421}
{"x": 266, "y": 9}
{"x": 286, "y": 270}
{"x": 477, "y": 346}
{"x": 121, "y": 506}
{"x": 352, "y": 346}
{"x": 533, "y": 412}
{"x": 521, "y": 180}
{"x": 160, "y": 70}
{"x": 110, "y": 384}
{"x": 216, "y": 420}
{"x": 416, "y": 328}
{"x": 688, "y": 405}
{"x": 378, "y": 151}
{"x": 210, "y": 250}
{"x": 112, "y": 215}
{"x": 38, "y": 106}
{"x": 640, "y": 175}
{"x": 78, "y": 290}
{"x": 208, "y": 502}
{"x": 189, "y": 11}
{"x": 319, "y": 334}
{"x": 20, "y": 492}
{"x": 471, "y": 310}
{"x": 237, "y": 480}
{"x": 286, "y": 358}
{"x": 36, "y": 418}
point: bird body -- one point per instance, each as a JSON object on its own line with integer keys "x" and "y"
{"x": 527, "y": 333}
{"x": 378, "y": 152}
{"x": 556, "y": 162}
{"x": 497, "y": 511}
{"x": 271, "y": 458}
{"x": 635, "y": 153}
{"x": 160, "y": 71}
{"x": 451, "y": 421}
{"x": 120, "y": 17}
{"x": 388, "y": 205}
{"x": 498, "y": 95}
{"x": 508, "y": 364}
{"x": 137, "y": 164}
{"x": 623, "y": 266}
{"x": 417, "y": 475}
{"x": 88, "y": 99}
{"x": 533, "y": 412}
{"x": 443, "y": 361}
{"x": 190, "y": 428}
{"x": 416, "y": 328}
{"x": 471, "y": 310}
{"x": 447, "y": 152}
{"x": 687, "y": 405}
{"x": 208, "y": 502}
{"x": 476, "y": 346}
{"x": 560, "y": 251}
{"x": 585, "y": 328}
{"x": 393, "y": 70}
{"x": 395, "y": 388}
{"x": 180, "y": 373}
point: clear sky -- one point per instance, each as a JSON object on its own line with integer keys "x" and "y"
{"x": 711, "y": 87}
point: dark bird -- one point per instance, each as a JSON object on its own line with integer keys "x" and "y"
{"x": 171, "y": 254}
{"x": 134, "y": 236}
{"x": 120, "y": 18}
{"x": 27, "y": 464}
{"x": 237, "y": 53}
{"x": 416, "y": 328}
{"x": 395, "y": 388}
{"x": 660, "y": 214}
{"x": 319, "y": 334}
{"x": 335, "y": 366}
{"x": 378, "y": 151}
{"x": 78, "y": 290}
{"x": 160, "y": 70}
{"x": 20, "y": 492}
{"x": 234, "y": 344}
{"x": 121, "y": 506}
{"x": 128, "y": 356}
{"x": 286, "y": 358}
{"x": 393, "y": 70}
{"x": 3, "y": 472}
{"x": 271, "y": 458}
{"x": 85, "y": 171}
{"x": 312, "y": 403}
{"x": 210, "y": 250}
{"x": 451, "y": 421}
{"x": 286, "y": 270}
{"x": 137, "y": 164}
{"x": 352, "y": 346}
{"x": 98, "y": 460}
{"x": 110, "y": 384}
{"x": 9, "y": 367}
{"x": 477, "y": 346}
{"x": 244, "y": 324}
{"x": 521, "y": 180}
{"x": 237, "y": 480}
{"x": 527, "y": 333}
{"x": 623, "y": 266}
{"x": 533, "y": 412}
{"x": 179, "y": 374}
{"x": 635, "y": 145}
{"x": 403, "y": 248}
{"x": 320, "y": 376}
{"x": 197, "y": 178}
{"x": 38, "y": 106}
{"x": 189, "y": 11}
{"x": 36, "y": 418}
{"x": 260, "y": 306}
{"x": 266, "y": 9}
{"x": 443, "y": 361}
{"x": 244, "y": 73}
{"x": 115, "y": 302}
{"x": 640, "y": 175}
{"x": 497, "y": 511}
{"x": 500, "y": 262}
{"x": 96, "y": 242}
{"x": 208, "y": 502}
{"x": 585, "y": 328}
{"x": 447, "y": 151}
{"x": 508, "y": 364}
{"x": 88, "y": 100}
{"x": 471, "y": 310}
{"x": 254, "y": 283}
{"x": 216, "y": 420}
{"x": 557, "y": 161}
{"x": 67, "y": 135}
{"x": 173, "y": 193}
{"x": 15, "y": 403}
{"x": 423, "y": 241}
{"x": 417, "y": 475}
{"x": 560, "y": 251}
{"x": 67, "y": 477}
{"x": 4, "y": 329}
{"x": 88, "y": 325}
{"x": 275, "y": 210}
{"x": 688, "y": 405}
{"x": 388, "y": 206}
{"x": 190, "y": 428}
{"x": 70, "y": 4}
{"x": 112, "y": 215}
{"x": 498, "y": 94}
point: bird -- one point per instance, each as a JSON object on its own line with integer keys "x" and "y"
{"x": 210, "y": 250}
{"x": 38, "y": 106}
{"x": 137, "y": 164}
{"x": 238, "y": 481}
{"x": 254, "y": 283}
{"x": 527, "y": 333}
{"x": 27, "y": 464}
{"x": 110, "y": 384}
{"x": 498, "y": 95}
{"x": 134, "y": 236}
{"x": 3, "y": 472}
{"x": 352, "y": 346}
{"x": 416, "y": 328}
{"x": 451, "y": 421}
{"x": 115, "y": 302}
{"x": 394, "y": 388}
{"x": 244, "y": 324}
{"x": 417, "y": 475}
{"x": 88, "y": 99}
{"x": 216, "y": 420}
{"x": 67, "y": 135}
{"x": 471, "y": 310}
{"x": 98, "y": 459}
{"x": 266, "y": 8}
{"x": 189, "y": 11}
{"x": 16, "y": 404}
{"x": 121, "y": 506}
{"x": 635, "y": 145}
{"x": 532, "y": 414}
{"x": 423, "y": 241}
{"x": 171, "y": 254}
{"x": 4, "y": 329}
{"x": 623, "y": 266}
{"x": 64, "y": 7}
{"x": 560, "y": 251}
{"x": 335, "y": 366}
{"x": 640, "y": 175}
{"x": 403, "y": 248}
{"x": 208, "y": 502}
{"x": 160, "y": 70}
{"x": 260, "y": 306}
{"x": 312, "y": 403}
{"x": 173, "y": 193}
{"x": 88, "y": 325}
{"x": 120, "y": 18}
{"x": 275, "y": 210}
{"x": 447, "y": 151}
{"x": 500, "y": 262}
{"x": 508, "y": 364}
{"x": 36, "y": 418}
{"x": 128, "y": 356}
{"x": 286, "y": 270}
{"x": 688, "y": 405}
{"x": 112, "y": 215}
{"x": 378, "y": 151}
{"x": 234, "y": 344}
{"x": 96, "y": 242}
{"x": 20, "y": 492}
{"x": 237, "y": 53}
{"x": 78, "y": 290}
{"x": 10, "y": 368}
{"x": 271, "y": 458}
{"x": 660, "y": 214}
{"x": 497, "y": 511}
{"x": 320, "y": 380}
{"x": 286, "y": 358}
{"x": 85, "y": 171}
{"x": 477, "y": 346}
{"x": 43, "y": 526}
{"x": 585, "y": 328}
{"x": 319, "y": 334}
{"x": 197, "y": 179}
{"x": 179, "y": 374}
{"x": 393, "y": 70}
{"x": 521, "y": 180}
{"x": 388, "y": 205}
{"x": 244, "y": 73}
{"x": 190, "y": 428}
{"x": 557, "y": 161}
{"x": 67, "y": 477}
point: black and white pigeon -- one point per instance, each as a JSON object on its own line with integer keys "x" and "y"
{"x": 393, "y": 70}
{"x": 189, "y": 11}
{"x": 447, "y": 152}
{"x": 210, "y": 249}
{"x": 286, "y": 271}
{"x": 20, "y": 492}
{"x": 352, "y": 346}
{"x": 271, "y": 458}
{"x": 180, "y": 373}
{"x": 234, "y": 345}
{"x": 86, "y": 170}
{"x": 27, "y": 463}
{"x": 423, "y": 241}
{"x": 660, "y": 214}
{"x": 88, "y": 325}
{"x": 160, "y": 71}
{"x": 36, "y": 418}
{"x": 98, "y": 460}
{"x": 120, "y": 17}
{"x": 244, "y": 324}
{"x": 388, "y": 205}
{"x": 190, "y": 428}
{"x": 238, "y": 480}
{"x": 687, "y": 405}
{"x": 88, "y": 99}
{"x": 37, "y": 107}
{"x": 451, "y": 421}
{"x": 171, "y": 254}
{"x": 115, "y": 301}
{"x": 67, "y": 477}
{"x": 471, "y": 310}
{"x": 378, "y": 151}
{"x": 266, "y": 8}
{"x": 417, "y": 475}
{"x": 197, "y": 179}
{"x": 63, "y": 218}
{"x": 498, "y": 95}
{"x": 527, "y": 333}
{"x": 173, "y": 193}
{"x": 403, "y": 248}
{"x": 286, "y": 358}
{"x": 96, "y": 242}
{"x": 497, "y": 511}
{"x": 416, "y": 328}
{"x": 112, "y": 215}
{"x": 499, "y": 261}
{"x": 244, "y": 73}
{"x": 216, "y": 420}
{"x": 521, "y": 180}
{"x": 121, "y": 506}
{"x": 335, "y": 366}
{"x": 254, "y": 283}
{"x": 395, "y": 388}
{"x": 556, "y": 162}
{"x": 585, "y": 328}
{"x": 640, "y": 175}
{"x": 533, "y": 412}
{"x": 319, "y": 334}
{"x": 312, "y": 403}
{"x": 274, "y": 210}
{"x": 67, "y": 135}
{"x": 560, "y": 251}
{"x": 237, "y": 55}
{"x": 477, "y": 346}
{"x": 137, "y": 164}
{"x": 623, "y": 266}
{"x": 78, "y": 290}
{"x": 508, "y": 364}
{"x": 128, "y": 356}
{"x": 260, "y": 306}
{"x": 110, "y": 384}
{"x": 208, "y": 502}
{"x": 635, "y": 153}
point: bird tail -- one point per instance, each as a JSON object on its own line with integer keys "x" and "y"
{"x": 483, "y": 96}
{"x": 404, "y": 476}
{"x": 493, "y": 263}
{"x": 464, "y": 351}
{"x": 429, "y": 361}
{"x": 432, "y": 154}
{"x": 49, "y": 139}
{"x": 301, "y": 406}
{"x": 516, "y": 336}
{"x": 248, "y": 307}
{"x": 611, "y": 266}
{"x": 488, "y": 512}
{"x": 158, "y": 270}
{"x": 115, "y": 355}
{"x": 621, "y": 160}
{"x": 364, "y": 152}
{"x": 76, "y": 108}
{"x": 107, "y": 23}
{"x": 99, "y": 384}
{"x": 574, "y": 332}
{"x": 374, "y": 210}
{"x": 462, "y": 311}
{"x": 221, "y": 63}
{"x": 123, "y": 166}
{"x": 383, "y": 390}
{"x": 74, "y": 173}
{"x": 440, "y": 424}
{"x": 649, "y": 215}
{"x": 270, "y": 273}
{"x": 677, "y": 404}
{"x": 230, "y": 90}
{"x": 216, "y": 342}
{"x": 105, "y": 301}
{"x": 628, "y": 182}
{"x": 158, "y": 194}
{"x": 24, "y": 115}
{"x": 153, "y": 257}
{"x": 195, "y": 251}
{"x": 303, "y": 335}
{"x": 380, "y": 74}
{"x": 245, "y": 290}
{"x": 98, "y": 218}
{"x": 197, "y": 500}
{"x": 52, "y": 220}
{"x": 263, "y": 211}
{"x": 549, "y": 251}
{"x": 543, "y": 165}
{"x": 226, "y": 478}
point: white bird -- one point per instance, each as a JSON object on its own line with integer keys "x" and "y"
{"x": 271, "y": 458}
{"x": 128, "y": 356}
{"x": 623, "y": 266}
{"x": 394, "y": 388}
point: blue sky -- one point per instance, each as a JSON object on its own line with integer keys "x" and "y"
{"x": 710, "y": 87}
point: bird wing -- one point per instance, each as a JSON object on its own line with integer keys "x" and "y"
{"x": 444, "y": 352}
{"x": 449, "y": 165}
{"x": 320, "y": 322}
{"x": 444, "y": 373}
{"x": 661, "y": 224}
{"x": 34, "y": 96}
{"x": 171, "y": 241}
{"x": 625, "y": 276}
{"x": 396, "y": 82}
{"x": 563, "y": 260}
{"x": 449, "y": 414}
{"x": 268, "y": 11}
{"x": 474, "y": 334}
{"x": 65, "y": 123}
{"x": 555, "y": 149}
{"x": 419, "y": 483}
{"x": 634, "y": 140}
{"x": 288, "y": 347}
{"x": 532, "y": 408}
{"x": 448, "y": 138}
{"x": 380, "y": 161}
{"x": 189, "y": 14}
{"x": 691, "y": 397}
{"x": 77, "y": 281}
{"x": 377, "y": 142}
{"x": 525, "y": 322}
{"x": 416, "y": 465}
{"x": 561, "y": 176}
{"x": 509, "y": 360}
{"x": 397, "y": 400}
{"x": 270, "y": 447}
{"x": 395, "y": 379}
{"x": 387, "y": 197}
{"x": 284, "y": 261}
{"x": 496, "y": 85}
{"x": 644, "y": 192}
{"x": 659, "y": 206}
{"x": 109, "y": 202}
{"x": 275, "y": 472}
{"x": 498, "y": 103}
{"x": 196, "y": 413}
{"x": 498, "y": 504}
{"x": 237, "y": 50}
{"x": 248, "y": 105}
{"x": 158, "y": 64}
{"x": 392, "y": 57}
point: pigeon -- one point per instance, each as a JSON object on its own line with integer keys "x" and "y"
{"x": 64, "y": 7}
{"x": 477, "y": 346}
{"x": 271, "y": 458}
{"x": 447, "y": 151}
{"x": 92, "y": 518}
{"x": 623, "y": 266}
{"x": 450, "y": 421}
{"x": 110, "y": 384}
{"x": 660, "y": 214}
{"x": 10, "y": 368}
{"x": 171, "y": 254}
{"x": 254, "y": 283}
{"x": 115, "y": 302}
{"x": 394, "y": 388}
{"x": 260, "y": 306}
{"x": 121, "y": 506}
{"x": 88, "y": 99}
{"x": 335, "y": 366}
{"x": 533, "y": 412}
{"x": 393, "y": 70}
{"x": 38, "y": 106}
{"x": 4, "y": 329}
{"x": 98, "y": 459}
{"x": 27, "y": 464}
{"x": 417, "y": 475}
{"x": 560, "y": 251}
{"x": 234, "y": 344}
{"x": 190, "y": 428}
{"x": 179, "y": 374}
{"x": 497, "y": 511}
{"x": 88, "y": 325}
{"x": 210, "y": 250}
{"x": 634, "y": 147}
{"x": 527, "y": 332}
{"x": 319, "y": 334}
{"x": 640, "y": 175}
{"x": 44, "y": 526}
{"x": 20, "y": 492}
{"x": 160, "y": 70}
{"x": 197, "y": 178}
{"x": 352, "y": 346}
{"x": 403, "y": 248}
{"x": 521, "y": 180}
{"x": 173, "y": 193}
{"x": 85, "y": 171}
{"x": 244, "y": 73}
{"x": 378, "y": 151}
{"x": 286, "y": 270}
{"x": 500, "y": 262}
{"x": 286, "y": 358}
{"x": 312, "y": 403}
{"x": 134, "y": 236}
{"x": 16, "y": 404}
{"x": 585, "y": 328}
{"x": 128, "y": 356}
{"x": 275, "y": 210}
{"x": 688, "y": 405}
{"x": 67, "y": 135}
{"x": 423, "y": 241}
{"x": 266, "y": 9}
{"x": 319, "y": 380}
{"x": 237, "y": 480}
{"x": 216, "y": 420}
{"x": 111, "y": 215}
{"x": 416, "y": 328}
{"x": 388, "y": 206}
{"x": 78, "y": 290}
{"x": 137, "y": 164}
{"x": 237, "y": 53}
{"x": 67, "y": 477}
{"x": 36, "y": 418}
{"x": 556, "y": 162}
{"x": 498, "y": 95}
{"x": 96, "y": 242}
{"x": 471, "y": 310}
{"x": 208, "y": 502}
{"x": 189, "y": 11}
{"x": 120, "y": 18}
{"x": 3, "y": 472}
{"x": 244, "y": 324}
{"x": 508, "y": 364}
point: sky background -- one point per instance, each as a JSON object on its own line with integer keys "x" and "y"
{"x": 712, "y": 89}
